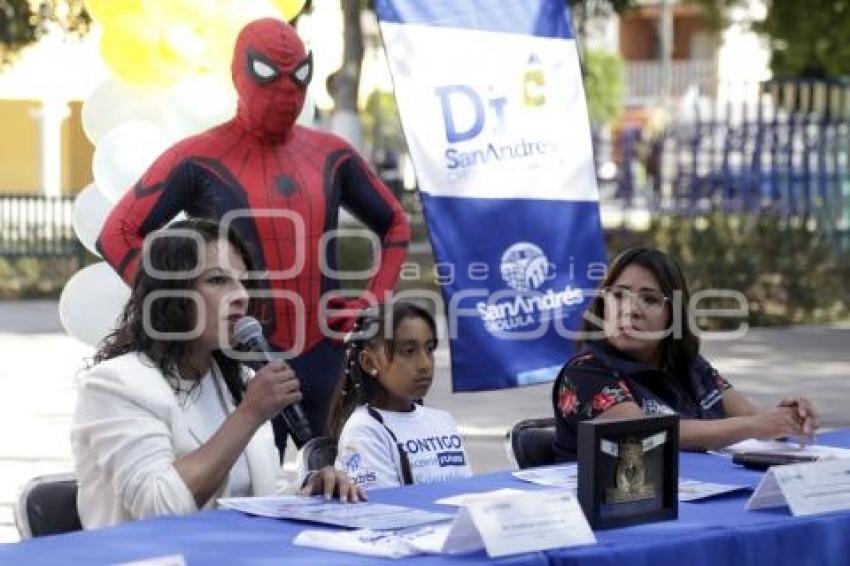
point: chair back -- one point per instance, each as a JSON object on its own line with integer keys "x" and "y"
{"x": 531, "y": 443}
{"x": 319, "y": 452}
{"x": 47, "y": 505}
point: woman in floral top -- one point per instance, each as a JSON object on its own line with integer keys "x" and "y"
{"x": 640, "y": 356}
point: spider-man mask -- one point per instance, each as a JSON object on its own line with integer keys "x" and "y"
{"x": 271, "y": 71}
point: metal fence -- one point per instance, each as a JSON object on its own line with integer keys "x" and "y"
{"x": 786, "y": 155}
{"x": 643, "y": 79}
{"x": 37, "y": 226}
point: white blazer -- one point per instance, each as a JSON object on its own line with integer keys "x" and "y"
{"x": 127, "y": 432}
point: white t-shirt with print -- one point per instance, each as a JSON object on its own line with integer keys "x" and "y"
{"x": 429, "y": 437}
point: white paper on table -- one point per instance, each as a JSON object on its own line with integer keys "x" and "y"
{"x": 564, "y": 476}
{"x": 168, "y": 560}
{"x": 467, "y": 498}
{"x": 694, "y": 490}
{"x": 440, "y": 538}
{"x": 268, "y": 506}
{"x": 808, "y": 488}
{"x": 317, "y": 509}
{"x": 386, "y": 544}
{"x": 786, "y": 448}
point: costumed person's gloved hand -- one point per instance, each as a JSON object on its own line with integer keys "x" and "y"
{"x": 341, "y": 314}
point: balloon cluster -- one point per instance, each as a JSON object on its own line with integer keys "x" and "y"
{"x": 158, "y": 42}
{"x": 170, "y": 77}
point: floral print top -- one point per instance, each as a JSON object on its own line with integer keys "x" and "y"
{"x": 600, "y": 377}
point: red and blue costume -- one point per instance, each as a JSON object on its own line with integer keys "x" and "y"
{"x": 258, "y": 164}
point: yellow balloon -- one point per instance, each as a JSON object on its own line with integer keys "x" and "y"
{"x": 180, "y": 12}
{"x": 182, "y": 47}
{"x": 132, "y": 48}
{"x": 289, "y": 8}
{"x": 104, "y": 11}
{"x": 220, "y": 38}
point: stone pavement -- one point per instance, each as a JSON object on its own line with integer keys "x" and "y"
{"x": 38, "y": 364}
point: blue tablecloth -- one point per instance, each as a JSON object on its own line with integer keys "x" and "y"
{"x": 716, "y": 531}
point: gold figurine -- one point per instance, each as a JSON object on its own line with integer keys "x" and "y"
{"x": 630, "y": 480}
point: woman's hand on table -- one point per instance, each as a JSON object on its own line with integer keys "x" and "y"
{"x": 793, "y": 416}
{"x": 806, "y": 414}
{"x": 330, "y": 481}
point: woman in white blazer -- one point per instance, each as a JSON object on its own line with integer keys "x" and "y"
{"x": 166, "y": 423}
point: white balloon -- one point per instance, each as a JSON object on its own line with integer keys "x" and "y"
{"x": 241, "y": 12}
{"x": 308, "y": 112}
{"x": 186, "y": 42}
{"x": 124, "y": 154}
{"x": 113, "y": 103}
{"x": 91, "y": 302}
{"x": 199, "y": 102}
{"x": 91, "y": 208}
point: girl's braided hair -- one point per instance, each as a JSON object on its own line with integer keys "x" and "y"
{"x": 375, "y": 326}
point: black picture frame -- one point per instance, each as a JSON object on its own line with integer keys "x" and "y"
{"x": 628, "y": 470}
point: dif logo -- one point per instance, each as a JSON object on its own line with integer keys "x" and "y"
{"x": 465, "y": 110}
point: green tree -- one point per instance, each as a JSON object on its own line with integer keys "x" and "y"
{"x": 16, "y": 29}
{"x": 381, "y": 124}
{"x": 808, "y": 39}
{"x": 22, "y": 22}
{"x": 603, "y": 84}
{"x": 717, "y": 11}
{"x": 583, "y": 11}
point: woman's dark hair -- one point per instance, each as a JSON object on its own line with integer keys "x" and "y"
{"x": 677, "y": 353}
{"x": 173, "y": 250}
{"x": 375, "y": 326}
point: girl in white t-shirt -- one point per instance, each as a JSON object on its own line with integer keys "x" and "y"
{"x": 385, "y": 436}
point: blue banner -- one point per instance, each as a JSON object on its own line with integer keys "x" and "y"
{"x": 493, "y": 109}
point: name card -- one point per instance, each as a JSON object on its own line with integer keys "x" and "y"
{"x": 502, "y": 523}
{"x": 536, "y": 520}
{"x": 807, "y": 489}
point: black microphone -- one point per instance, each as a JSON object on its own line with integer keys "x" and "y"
{"x": 248, "y": 333}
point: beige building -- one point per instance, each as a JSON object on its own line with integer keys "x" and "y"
{"x": 21, "y": 154}
{"x": 43, "y": 149}
{"x": 728, "y": 63}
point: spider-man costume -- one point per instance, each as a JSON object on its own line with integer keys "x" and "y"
{"x": 261, "y": 160}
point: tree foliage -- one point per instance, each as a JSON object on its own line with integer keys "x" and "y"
{"x": 584, "y": 11}
{"x": 16, "y": 27}
{"x": 591, "y": 7}
{"x": 716, "y": 11}
{"x": 381, "y": 123}
{"x": 22, "y": 22}
{"x": 603, "y": 83}
{"x": 808, "y": 39}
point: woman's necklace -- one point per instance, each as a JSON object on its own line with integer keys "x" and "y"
{"x": 187, "y": 391}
